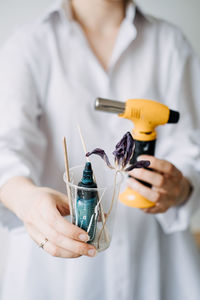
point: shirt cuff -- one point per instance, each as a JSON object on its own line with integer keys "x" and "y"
{"x": 12, "y": 169}
{"x": 8, "y": 219}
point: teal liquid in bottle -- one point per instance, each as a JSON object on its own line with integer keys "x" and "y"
{"x": 86, "y": 203}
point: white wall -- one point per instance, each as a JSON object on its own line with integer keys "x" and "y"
{"x": 184, "y": 13}
{"x": 15, "y": 13}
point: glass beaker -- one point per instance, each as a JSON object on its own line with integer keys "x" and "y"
{"x": 95, "y": 215}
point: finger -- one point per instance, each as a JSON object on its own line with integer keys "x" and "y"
{"x": 146, "y": 192}
{"x": 160, "y": 207}
{"x": 49, "y": 247}
{"x": 157, "y": 209}
{"x": 161, "y": 165}
{"x": 154, "y": 178}
{"x": 61, "y": 200}
{"x": 52, "y": 217}
{"x": 169, "y": 190}
{"x": 59, "y": 196}
{"x": 63, "y": 204}
{"x": 62, "y": 241}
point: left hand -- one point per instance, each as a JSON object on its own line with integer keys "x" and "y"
{"x": 169, "y": 186}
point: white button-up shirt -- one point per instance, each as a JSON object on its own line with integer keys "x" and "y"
{"x": 49, "y": 78}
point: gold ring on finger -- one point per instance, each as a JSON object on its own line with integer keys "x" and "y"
{"x": 43, "y": 243}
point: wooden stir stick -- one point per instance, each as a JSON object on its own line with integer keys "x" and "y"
{"x": 67, "y": 175}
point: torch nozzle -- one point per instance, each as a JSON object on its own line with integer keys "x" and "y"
{"x": 109, "y": 105}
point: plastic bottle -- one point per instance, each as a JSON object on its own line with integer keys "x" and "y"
{"x": 86, "y": 203}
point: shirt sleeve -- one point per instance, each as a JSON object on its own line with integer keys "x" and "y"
{"x": 21, "y": 141}
{"x": 183, "y": 150}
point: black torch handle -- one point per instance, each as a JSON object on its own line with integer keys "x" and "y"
{"x": 142, "y": 147}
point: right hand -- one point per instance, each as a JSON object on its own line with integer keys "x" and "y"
{"x": 42, "y": 210}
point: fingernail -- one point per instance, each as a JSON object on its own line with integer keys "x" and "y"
{"x": 129, "y": 176}
{"x": 139, "y": 158}
{"x": 83, "y": 237}
{"x": 92, "y": 252}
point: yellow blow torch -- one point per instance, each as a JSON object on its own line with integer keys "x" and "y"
{"x": 146, "y": 115}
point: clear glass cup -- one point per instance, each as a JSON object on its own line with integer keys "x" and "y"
{"x": 95, "y": 215}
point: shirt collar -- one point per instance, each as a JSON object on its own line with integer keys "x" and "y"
{"x": 127, "y": 32}
{"x": 63, "y": 8}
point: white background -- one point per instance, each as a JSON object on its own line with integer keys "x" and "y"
{"x": 184, "y": 13}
